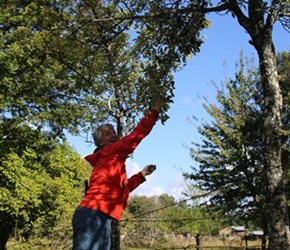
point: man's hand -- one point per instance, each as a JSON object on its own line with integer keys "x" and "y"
{"x": 160, "y": 102}
{"x": 149, "y": 169}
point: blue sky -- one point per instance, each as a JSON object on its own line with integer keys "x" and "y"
{"x": 165, "y": 145}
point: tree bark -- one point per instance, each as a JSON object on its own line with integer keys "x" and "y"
{"x": 115, "y": 235}
{"x": 2, "y": 246}
{"x": 276, "y": 203}
{"x": 275, "y": 198}
{"x": 6, "y": 227}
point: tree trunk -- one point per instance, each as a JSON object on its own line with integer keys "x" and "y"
{"x": 6, "y": 227}
{"x": 115, "y": 235}
{"x": 276, "y": 203}
{"x": 2, "y": 246}
{"x": 265, "y": 229}
{"x": 275, "y": 198}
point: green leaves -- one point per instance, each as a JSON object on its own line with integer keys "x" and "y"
{"x": 230, "y": 154}
{"x": 68, "y": 66}
{"x": 158, "y": 217}
{"x": 41, "y": 180}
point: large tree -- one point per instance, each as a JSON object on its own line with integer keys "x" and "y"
{"x": 54, "y": 59}
{"x": 40, "y": 181}
{"x": 65, "y": 66}
{"x": 283, "y": 61}
{"x": 173, "y": 27}
{"x": 230, "y": 154}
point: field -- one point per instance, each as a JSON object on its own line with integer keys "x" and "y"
{"x": 203, "y": 242}
{"x": 168, "y": 242}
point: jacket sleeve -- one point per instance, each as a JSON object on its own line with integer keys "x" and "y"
{"x": 135, "y": 180}
{"x": 128, "y": 143}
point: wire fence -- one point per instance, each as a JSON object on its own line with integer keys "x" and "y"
{"x": 176, "y": 241}
{"x": 155, "y": 238}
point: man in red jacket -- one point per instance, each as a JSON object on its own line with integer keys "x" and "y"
{"x": 109, "y": 188}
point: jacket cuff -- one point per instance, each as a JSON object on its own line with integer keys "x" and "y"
{"x": 142, "y": 178}
{"x": 154, "y": 113}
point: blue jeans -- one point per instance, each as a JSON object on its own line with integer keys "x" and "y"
{"x": 91, "y": 230}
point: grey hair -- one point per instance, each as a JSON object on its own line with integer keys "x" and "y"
{"x": 97, "y": 135}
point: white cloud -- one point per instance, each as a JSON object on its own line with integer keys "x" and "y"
{"x": 132, "y": 168}
{"x": 176, "y": 186}
{"x": 158, "y": 183}
{"x": 188, "y": 101}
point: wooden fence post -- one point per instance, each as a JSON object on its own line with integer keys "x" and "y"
{"x": 197, "y": 237}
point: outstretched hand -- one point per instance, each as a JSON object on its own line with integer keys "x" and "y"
{"x": 159, "y": 103}
{"x": 149, "y": 169}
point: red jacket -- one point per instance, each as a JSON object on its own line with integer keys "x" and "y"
{"x": 109, "y": 187}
